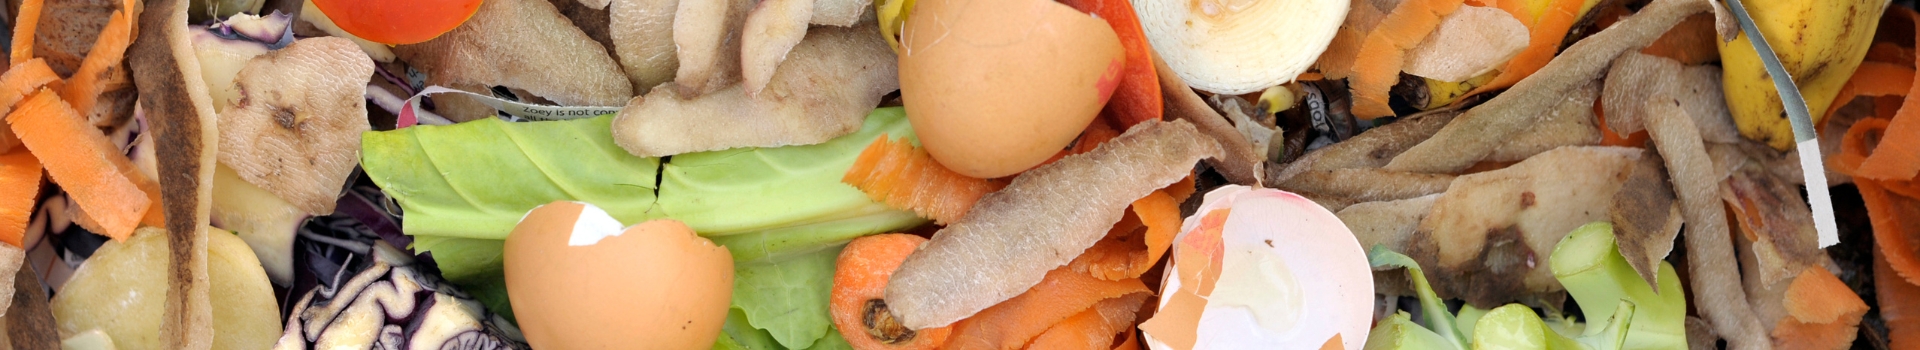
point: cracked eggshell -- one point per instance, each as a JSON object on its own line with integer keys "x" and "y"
{"x": 995, "y": 87}
{"x": 577, "y": 280}
{"x": 1240, "y": 46}
{"x": 1289, "y": 275}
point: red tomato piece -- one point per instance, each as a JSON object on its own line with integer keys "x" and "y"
{"x": 398, "y": 22}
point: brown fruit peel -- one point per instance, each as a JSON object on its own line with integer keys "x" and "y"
{"x": 176, "y": 101}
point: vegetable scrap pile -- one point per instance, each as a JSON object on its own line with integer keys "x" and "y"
{"x": 956, "y": 174}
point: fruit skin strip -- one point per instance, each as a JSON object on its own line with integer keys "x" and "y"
{"x": 1808, "y": 143}
{"x": 411, "y": 114}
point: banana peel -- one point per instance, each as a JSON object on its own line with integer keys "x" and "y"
{"x": 1821, "y": 43}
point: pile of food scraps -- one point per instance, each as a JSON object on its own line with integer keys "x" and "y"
{"x": 960, "y": 174}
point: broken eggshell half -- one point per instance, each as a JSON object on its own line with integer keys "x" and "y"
{"x": 578, "y": 280}
{"x": 1261, "y": 269}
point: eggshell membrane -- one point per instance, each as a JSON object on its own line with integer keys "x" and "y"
{"x": 656, "y": 283}
{"x": 994, "y": 87}
{"x": 1318, "y": 250}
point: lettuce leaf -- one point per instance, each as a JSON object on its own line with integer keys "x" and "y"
{"x": 477, "y": 179}
{"x": 745, "y": 190}
{"x": 788, "y": 298}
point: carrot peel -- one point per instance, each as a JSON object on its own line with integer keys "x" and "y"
{"x": 906, "y": 177}
{"x": 23, "y": 30}
{"x": 19, "y": 185}
{"x": 109, "y": 50}
{"x": 1013, "y": 323}
{"x": 82, "y": 160}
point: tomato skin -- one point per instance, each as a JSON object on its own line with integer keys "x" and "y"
{"x": 397, "y": 22}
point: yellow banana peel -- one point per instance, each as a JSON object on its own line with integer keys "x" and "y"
{"x": 1819, "y": 42}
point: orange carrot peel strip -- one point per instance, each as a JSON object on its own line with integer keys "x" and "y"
{"x": 83, "y": 161}
{"x": 1092, "y": 329}
{"x": 1899, "y": 305}
{"x": 109, "y": 50}
{"x": 23, "y": 30}
{"x": 19, "y": 186}
{"x": 1011, "y": 324}
{"x": 906, "y": 177}
{"x": 20, "y": 80}
{"x": 1377, "y": 67}
{"x": 1123, "y": 254}
{"x": 1900, "y": 158}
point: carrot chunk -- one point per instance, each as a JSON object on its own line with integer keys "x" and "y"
{"x": 906, "y": 177}
{"x": 859, "y": 286}
{"x": 19, "y": 184}
{"x": 82, "y": 160}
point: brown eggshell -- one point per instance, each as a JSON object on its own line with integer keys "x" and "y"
{"x": 656, "y": 285}
{"x": 994, "y": 87}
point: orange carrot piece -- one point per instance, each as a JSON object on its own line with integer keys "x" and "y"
{"x": 1909, "y": 188}
{"x": 1012, "y": 323}
{"x": 1377, "y": 68}
{"x": 1816, "y": 296}
{"x": 1887, "y": 52}
{"x": 1692, "y": 41}
{"x": 23, "y": 27}
{"x": 906, "y": 177}
{"x": 23, "y": 79}
{"x": 20, "y": 80}
{"x": 1881, "y": 79}
{"x": 1900, "y": 158}
{"x": 1899, "y": 305}
{"x": 19, "y": 185}
{"x": 1793, "y": 334}
{"x": 1896, "y": 224}
{"x": 1544, "y": 36}
{"x": 1095, "y": 328}
{"x": 1137, "y": 98}
{"x": 1132, "y": 342}
{"x": 1856, "y": 143}
{"x": 1125, "y": 254}
{"x": 82, "y": 160}
{"x": 1181, "y": 190}
{"x": 109, "y": 51}
{"x": 859, "y": 288}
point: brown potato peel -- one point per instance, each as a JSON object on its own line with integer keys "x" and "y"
{"x": 1041, "y": 221}
{"x": 176, "y": 101}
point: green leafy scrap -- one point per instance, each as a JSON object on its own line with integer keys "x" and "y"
{"x": 477, "y": 179}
